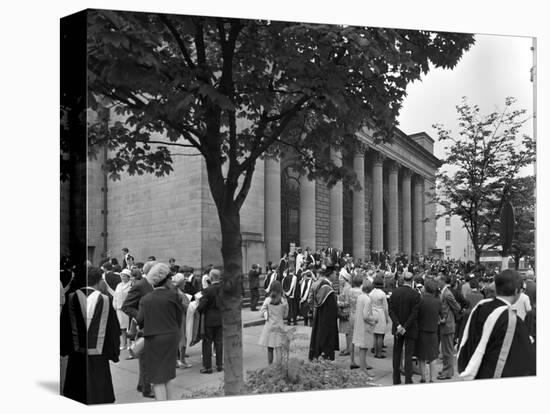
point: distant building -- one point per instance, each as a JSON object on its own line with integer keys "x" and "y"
{"x": 453, "y": 239}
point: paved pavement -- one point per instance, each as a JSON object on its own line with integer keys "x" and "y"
{"x": 190, "y": 380}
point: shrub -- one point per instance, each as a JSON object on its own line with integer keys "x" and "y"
{"x": 303, "y": 375}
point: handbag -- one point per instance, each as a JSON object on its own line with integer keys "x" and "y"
{"x": 136, "y": 349}
{"x": 343, "y": 313}
{"x": 132, "y": 330}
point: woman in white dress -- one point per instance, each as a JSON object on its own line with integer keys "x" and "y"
{"x": 274, "y": 310}
{"x": 179, "y": 281}
{"x": 119, "y": 296}
{"x": 364, "y": 324}
{"x": 380, "y": 312}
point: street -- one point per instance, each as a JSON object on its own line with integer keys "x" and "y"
{"x": 189, "y": 381}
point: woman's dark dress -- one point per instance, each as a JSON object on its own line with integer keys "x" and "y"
{"x": 428, "y": 320}
{"x": 160, "y": 314}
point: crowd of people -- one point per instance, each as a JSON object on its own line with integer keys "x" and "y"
{"x": 431, "y": 307}
{"x": 153, "y": 310}
{"x": 425, "y": 303}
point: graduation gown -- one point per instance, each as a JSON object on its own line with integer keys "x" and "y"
{"x": 89, "y": 348}
{"x": 495, "y": 343}
{"x": 324, "y": 332}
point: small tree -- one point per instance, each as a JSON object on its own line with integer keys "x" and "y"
{"x": 480, "y": 166}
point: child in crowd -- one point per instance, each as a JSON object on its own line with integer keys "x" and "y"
{"x": 274, "y": 310}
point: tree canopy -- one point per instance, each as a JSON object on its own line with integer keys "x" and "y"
{"x": 481, "y": 167}
{"x": 238, "y": 89}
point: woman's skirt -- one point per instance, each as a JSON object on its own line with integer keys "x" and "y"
{"x": 122, "y": 319}
{"x": 426, "y": 346}
{"x": 380, "y": 327}
{"x": 161, "y": 354}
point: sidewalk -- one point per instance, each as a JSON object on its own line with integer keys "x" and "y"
{"x": 125, "y": 373}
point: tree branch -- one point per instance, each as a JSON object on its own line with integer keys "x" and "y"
{"x": 178, "y": 40}
{"x": 260, "y": 148}
{"x": 243, "y": 192}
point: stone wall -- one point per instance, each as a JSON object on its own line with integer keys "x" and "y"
{"x": 158, "y": 216}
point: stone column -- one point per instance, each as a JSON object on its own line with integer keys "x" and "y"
{"x": 393, "y": 210}
{"x": 377, "y": 203}
{"x": 429, "y": 214}
{"x": 359, "y": 207}
{"x": 336, "y": 226}
{"x": 307, "y": 213}
{"x": 418, "y": 225}
{"x": 406, "y": 196}
{"x": 272, "y": 210}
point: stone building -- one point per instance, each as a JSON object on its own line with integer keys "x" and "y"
{"x": 175, "y": 216}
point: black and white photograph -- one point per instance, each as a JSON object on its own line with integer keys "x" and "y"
{"x": 260, "y": 220}
{"x": 273, "y": 211}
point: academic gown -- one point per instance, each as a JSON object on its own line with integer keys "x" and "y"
{"x": 88, "y": 379}
{"x": 324, "y": 332}
{"x": 521, "y": 358}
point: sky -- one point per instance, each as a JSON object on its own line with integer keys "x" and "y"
{"x": 494, "y": 68}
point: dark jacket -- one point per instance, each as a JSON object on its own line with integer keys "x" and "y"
{"x": 253, "y": 279}
{"x": 531, "y": 291}
{"x": 451, "y": 308}
{"x": 112, "y": 279}
{"x": 429, "y": 313}
{"x": 160, "y": 312}
{"x": 403, "y": 309}
{"x": 131, "y": 305}
{"x": 209, "y": 305}
{"x": 521, "y": 357}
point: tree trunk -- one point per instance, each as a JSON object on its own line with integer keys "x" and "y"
{"x": 477, "y": 256}
{"x": 516, "y": 261}
{"x": 231, "y": 300}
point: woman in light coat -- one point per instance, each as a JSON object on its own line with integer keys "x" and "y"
{"x": 380, "y": 311}
{"x": 364, "y": 324}
{"x": 119, "y": 296}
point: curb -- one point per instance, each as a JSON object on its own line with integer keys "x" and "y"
{"x": 255, "y": 322}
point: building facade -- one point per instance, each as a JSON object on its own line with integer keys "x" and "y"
{"x": 453, "y": 239}
{"x": 175, "y": 216}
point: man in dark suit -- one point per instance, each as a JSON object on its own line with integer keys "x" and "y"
{"x": 450, "y": 308}
{"x": 403, "y": 309}
{"x": 209, "y": 306}
{"x": 254, "y": 286}
{"x": 130, "y": 307}
{"x": 125, "y": 253}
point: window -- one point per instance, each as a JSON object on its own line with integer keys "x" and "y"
{"x": 447, "y": 221}
{"x": 448, "y": 251}
{"x": 448, "y": 235}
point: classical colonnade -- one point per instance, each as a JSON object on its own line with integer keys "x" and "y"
{"x": 412, "y": 202}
